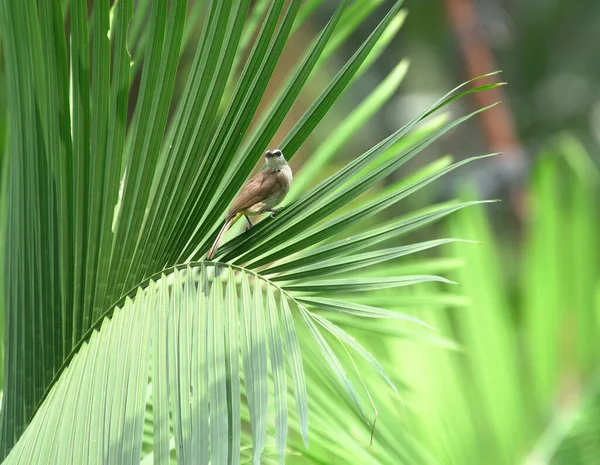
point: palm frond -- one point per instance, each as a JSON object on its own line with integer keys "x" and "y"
{"x": 103, "y": 218}
{"x": 189, "y": 378}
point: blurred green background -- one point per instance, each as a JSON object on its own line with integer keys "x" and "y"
{"x": 513, "y": 376}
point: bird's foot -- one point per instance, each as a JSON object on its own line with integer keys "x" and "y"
{"x": 250, "y": 224}
{"x": 273, "y": 211}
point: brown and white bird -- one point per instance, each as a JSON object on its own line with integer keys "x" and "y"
{"x": 261, "y": 193}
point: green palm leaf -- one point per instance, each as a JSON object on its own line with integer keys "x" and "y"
{"x": 104, "y": 218}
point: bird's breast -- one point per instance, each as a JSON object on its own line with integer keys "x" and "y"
{"x": 285, "y": 178}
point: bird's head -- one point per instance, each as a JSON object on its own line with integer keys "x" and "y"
{"x": 274, "y": 159}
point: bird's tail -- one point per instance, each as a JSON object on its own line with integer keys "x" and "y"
{"x": 228, "y": 223}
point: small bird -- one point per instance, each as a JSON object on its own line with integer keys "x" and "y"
{"x": 261, "y": 193}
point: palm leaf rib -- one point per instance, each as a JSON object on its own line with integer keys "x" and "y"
{"x": 156, "y": 91}
{"x": 190, "y": 129}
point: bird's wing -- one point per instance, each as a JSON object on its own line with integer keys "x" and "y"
{"x": 258, "y": 188}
